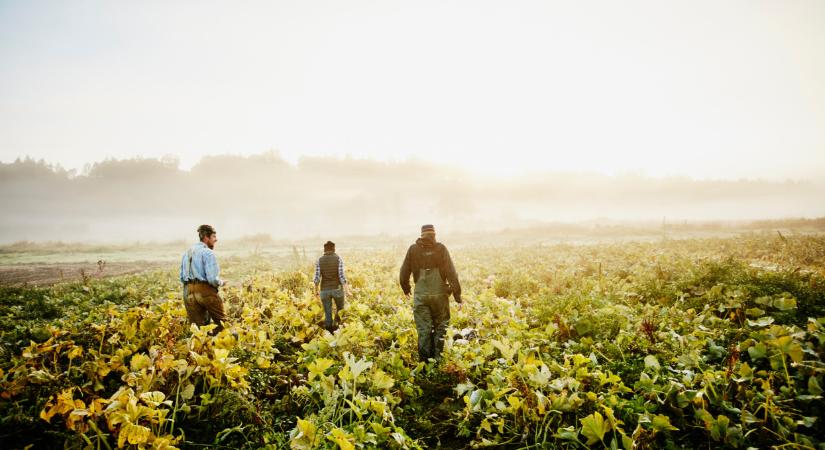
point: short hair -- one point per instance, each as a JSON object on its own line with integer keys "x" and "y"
{"x": 205, "y": 231}
{"x": 329, "y": 245}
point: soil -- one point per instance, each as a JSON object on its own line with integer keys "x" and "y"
{"x": 49, "y": 274}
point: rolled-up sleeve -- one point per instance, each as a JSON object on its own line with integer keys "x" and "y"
{"x": 183, "y": 275}
{"x": 341, "y": 276}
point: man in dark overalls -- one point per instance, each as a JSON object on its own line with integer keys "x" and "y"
{"x": 435, "y": 279}
{"x": 330, "y": 279}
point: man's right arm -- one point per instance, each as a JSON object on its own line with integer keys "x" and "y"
{"x": 183, "y": 276}
{"x": 317, "y": 278}
{"x": 406, "y": 271}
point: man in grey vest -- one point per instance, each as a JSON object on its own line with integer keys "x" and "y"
{"x": 329, "y": 276}
{"x": 435, "y": 279}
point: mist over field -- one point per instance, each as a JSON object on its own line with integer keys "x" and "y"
{"x": 155, "y": 199}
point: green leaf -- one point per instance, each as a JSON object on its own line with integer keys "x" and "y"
{"x": 704, "y": 416}
{"x": 476, "y": 396}
{"x": 807, "y": 422}
{"x": 813, "y": 386}
{"x": 785, "y": 303}
{"x": 788, "y": 346}
{"x": 508, "y": 350}
{"x": 662, "y": 423}
{"x": 380, "y": 429}
{"x": 745, "y": 372}
{"x": 583, "y": 327}
{"x": 645, "y": 383}
{"x": 567, "y": 434}
{"x": 758, "y": 351}
{"x": 719, "y": 429}
{"x": 188, "y": 391}
{"x": 749, "y": 418}
{"x": 754, "y": 312}
{"x": 761, "y": 322}
{"x": 652, "y": 363}
{"x": 594, "y": 427}
{"x": 627, "y": 441}
{"x": 795, "y": 352}
{"x": 765, "y": 300}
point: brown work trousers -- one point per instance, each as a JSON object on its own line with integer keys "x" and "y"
{"x": 202, "y": 303}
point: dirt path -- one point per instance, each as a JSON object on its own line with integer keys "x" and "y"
{"x": 48, "y": 274}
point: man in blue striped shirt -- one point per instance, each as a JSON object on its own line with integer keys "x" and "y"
{"x": 329, "y": 276}
{"x": 200, "y": 275}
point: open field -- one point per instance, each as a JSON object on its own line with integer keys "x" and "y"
{"x": 53, "y": 262}
{"x": 48, "y": 274}
{"x": 675, "y": 343}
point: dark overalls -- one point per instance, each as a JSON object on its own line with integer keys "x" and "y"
{"x": 431, "y": 310}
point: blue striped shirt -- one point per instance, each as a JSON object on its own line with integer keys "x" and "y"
{"x": 204, "y": 265}
{"x": 341, "y": 276}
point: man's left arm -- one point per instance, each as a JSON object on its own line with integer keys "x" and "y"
{"x": 341, "y": 276}
{"x": 317, "y": 279}
{"x": 452, "y": 276}
{"x": 212, "y": 269}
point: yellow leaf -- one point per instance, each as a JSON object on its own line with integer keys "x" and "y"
{"x": 306, "y": 428}
{"x": 48, "y": 412}
{"x": 75, "y": 352}
{"x": 97, "y": 406}
{"x": 139, "y": 361}
{"x": 65, "y": 401}
{"x": 137, "y": 434}
{"x": 262, "y": 362}
{"x": 380, "y": 380}
{"x": 75, "y": 417}
{"x": 200, "y": 360}
{"x": 594, "y": 428}
{"x": 188, "y": 391}
{"x": 121, "y": 438}
{"x": 318, "y": 367}
{"x": 304, "y": 439}
{"x": 340, "y": 436}
{"x": 153, "y": 398}
{"x": 514, "y": 401}
{"x": 378, "y": 407}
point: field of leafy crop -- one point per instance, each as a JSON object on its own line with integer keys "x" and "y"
{"x": 675, "y": 344}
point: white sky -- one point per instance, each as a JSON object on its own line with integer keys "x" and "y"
{"x": 708, "y": 89}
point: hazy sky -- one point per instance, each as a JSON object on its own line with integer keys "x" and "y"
{"x": 721, "y": 89}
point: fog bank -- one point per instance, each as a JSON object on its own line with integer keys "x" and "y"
{"x": 153, "y": 199}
